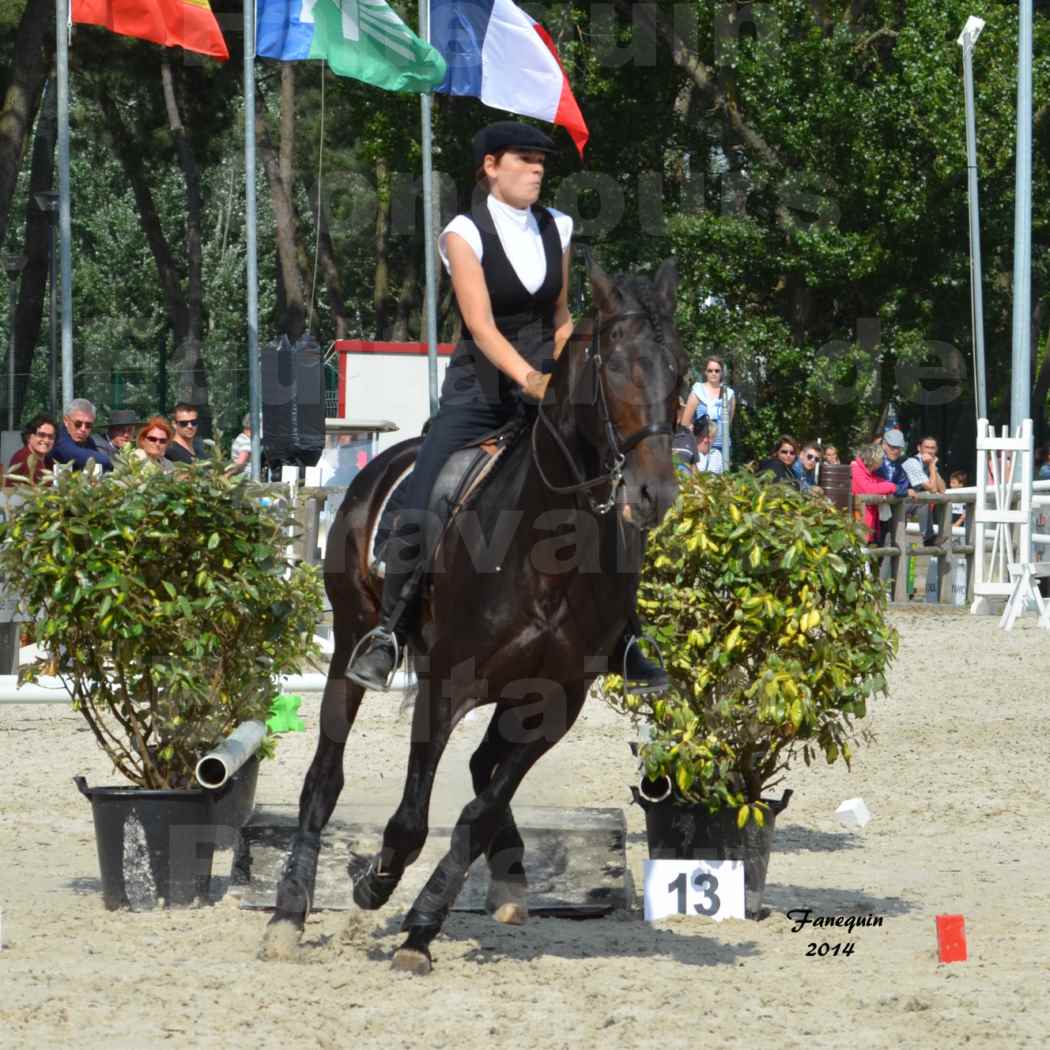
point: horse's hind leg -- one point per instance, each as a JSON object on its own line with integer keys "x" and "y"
{"x": 321, "y": 789}
{"x": 479, "y": 821}
{"x": 507, "y": 900}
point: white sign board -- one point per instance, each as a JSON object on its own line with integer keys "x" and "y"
{"x": 713, "y": 889}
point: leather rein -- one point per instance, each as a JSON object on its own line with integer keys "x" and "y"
{"x": 617, "y": 450}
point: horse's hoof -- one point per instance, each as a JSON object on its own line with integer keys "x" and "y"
{"x": 511, "y": 914}
{"x": 280, "y": 940}
{"x": 372, "y": 889}
{"x": 508, "y": 902}
{"x": 413, "y": 961}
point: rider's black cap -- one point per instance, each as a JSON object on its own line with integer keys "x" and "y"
{"x": 509, "y": 134}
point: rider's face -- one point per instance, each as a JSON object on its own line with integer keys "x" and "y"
{"x": 516, "y": 176}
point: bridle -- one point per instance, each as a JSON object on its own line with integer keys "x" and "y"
{"x": 617, "y": 449}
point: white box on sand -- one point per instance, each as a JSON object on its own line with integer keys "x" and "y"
{"x": 853, "y": 813}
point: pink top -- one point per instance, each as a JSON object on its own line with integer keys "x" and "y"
{"x": 864, "y": 482}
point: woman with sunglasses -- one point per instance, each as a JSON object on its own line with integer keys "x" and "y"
{"x": 153, "y": 441}
{"x": 34, "y": 457}
{"x": 782, "y": 463}
{"x": 712, "y": 398}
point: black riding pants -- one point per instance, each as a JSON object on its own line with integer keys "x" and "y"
{"x": 455, "y": 426}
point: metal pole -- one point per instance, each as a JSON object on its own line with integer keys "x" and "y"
{"x": 967, "y": 40}
{"x": 250, "y": 248}
{"x": 1021, "y": 370}
{"x": 53, "y": 322}
{"x": 430, "y": 268}
{"x": 12, "y": 303}
{"x": 64, "y": 219}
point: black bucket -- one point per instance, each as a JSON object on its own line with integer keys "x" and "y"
{"x": 677, "y": 832}
{"x": 234, "y": 802}
{"x": 154, "y": 847}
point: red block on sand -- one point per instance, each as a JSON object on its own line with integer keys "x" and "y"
{"x": 951, "y": 938}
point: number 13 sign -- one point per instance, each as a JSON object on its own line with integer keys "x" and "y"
{"x": 712, "y": 888}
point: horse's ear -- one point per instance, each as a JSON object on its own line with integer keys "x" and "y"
{"x": 665, "y": 285}
{"x": 602, "y": 287}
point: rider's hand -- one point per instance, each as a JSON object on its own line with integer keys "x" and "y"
{"x": 536, "y": 384}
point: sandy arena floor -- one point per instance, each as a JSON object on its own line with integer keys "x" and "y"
{"x": 956, "y": 783}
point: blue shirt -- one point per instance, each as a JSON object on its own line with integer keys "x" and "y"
{"x": 893, "y": 470}
{"x": 806, "y": 478}
{"x": 66, "y": 450}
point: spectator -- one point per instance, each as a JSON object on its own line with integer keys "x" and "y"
{"x": 74, "y": 443}
{"x": 692, "y": 449}
{"x": 34, "y": 457}
{"x": 831, "y": 455}
{"x": 780, "y": 464}
{"x": 805, "y": 465}
{"x": 922, "y": 475}
{"x": 712, "y": 398}
{"x": 241, "y": 450}
{"x": 957, "y": 480}
{"x": 1042, "y": 463}
{"x": 153, "y": 442}
{"x": 892, "y": 469}
{"x": 121, "y": 426}
{"x": 866, "y": 480}
{"x": 186, "y": 446}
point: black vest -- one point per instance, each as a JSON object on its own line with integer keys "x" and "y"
{"x": 524, "y": 318}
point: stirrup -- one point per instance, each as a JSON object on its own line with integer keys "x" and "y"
{"x": 643, "y": 689}
{"x": 377, "y": 632}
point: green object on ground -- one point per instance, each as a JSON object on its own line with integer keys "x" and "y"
{"x": 284, "y": 715}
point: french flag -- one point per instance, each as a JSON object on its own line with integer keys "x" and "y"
{"x": 497, "y": 53}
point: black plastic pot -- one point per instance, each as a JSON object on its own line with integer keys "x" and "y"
{"x": 155, "y": 848}
{"x": 690, "y": 832}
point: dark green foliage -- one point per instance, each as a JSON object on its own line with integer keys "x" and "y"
{"x": 774, "y": 635}
{"x": 165, "y": 603}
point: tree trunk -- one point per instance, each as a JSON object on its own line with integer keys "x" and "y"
{"x": 192, "y": 383}
{"x": 30, "y": 310}
{"x": 293, "y": 313}
{"x": 329, "y": 267}
{"x": 22, "y": 99}
{"x": 381, "y": 284}
{"x": 130, "y": 157}
{"x": 408, "y": 313}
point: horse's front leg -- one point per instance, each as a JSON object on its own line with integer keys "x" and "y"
{"x": 542, "y": 727}
{"x": 321, "y": 789}
{"x": 406, "y": 832}
{"x": 507, "y": 900}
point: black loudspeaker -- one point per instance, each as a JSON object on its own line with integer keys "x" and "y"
{"x": 293, "y": 402}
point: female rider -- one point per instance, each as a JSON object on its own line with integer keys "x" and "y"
{"x": 509, "y": 264}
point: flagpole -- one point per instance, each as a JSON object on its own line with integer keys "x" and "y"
{"x": 65, "y": 224}
{"x": 430, "y": 268}
{"x": 250, "y": 249}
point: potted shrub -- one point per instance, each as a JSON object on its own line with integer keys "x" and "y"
{"x": 774, "y": 635}
{"x": 166, "y": 605}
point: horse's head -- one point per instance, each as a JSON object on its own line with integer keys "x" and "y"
{"x": 624, "y": 389}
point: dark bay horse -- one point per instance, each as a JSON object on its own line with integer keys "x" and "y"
{"x": 532, "y": 595}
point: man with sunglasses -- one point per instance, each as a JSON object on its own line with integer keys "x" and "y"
{"x": 805, "y": 465}
{"x": 186, "y": 445}
{"x": 74, "y": 443}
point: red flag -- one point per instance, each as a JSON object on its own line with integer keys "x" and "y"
{"x": 174, "y": 23}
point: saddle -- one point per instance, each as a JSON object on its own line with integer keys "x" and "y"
{"x": 460, "y": 481}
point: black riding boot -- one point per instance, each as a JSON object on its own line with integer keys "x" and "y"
{"x": 640, "y": 675}
{"x": 377, "y": 659}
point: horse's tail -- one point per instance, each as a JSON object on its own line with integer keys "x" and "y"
{"x": 353, "y": 590}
